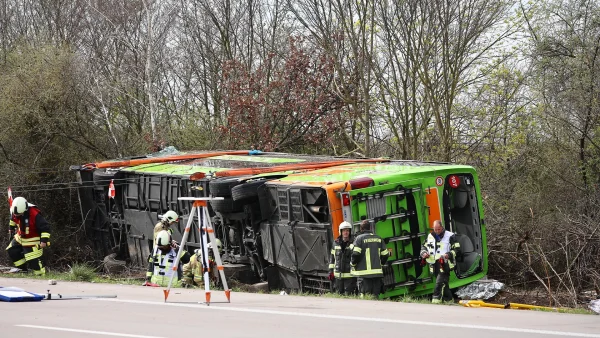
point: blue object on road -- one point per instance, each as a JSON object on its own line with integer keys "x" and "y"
{"x": 18, "y": 295}
{"x": 254, "y": 152}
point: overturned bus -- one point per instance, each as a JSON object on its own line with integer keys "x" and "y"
{"x": 280, "y": 213}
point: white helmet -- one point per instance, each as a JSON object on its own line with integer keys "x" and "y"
{"x": 345, "y": 225}
{"x": 170, "y": 216}
{"x": 19, "y": 206}
{"x": 163, "y": 238}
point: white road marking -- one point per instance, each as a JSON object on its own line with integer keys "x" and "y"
{"x": 86, "y": 331}
{"x": 364, "y": 319}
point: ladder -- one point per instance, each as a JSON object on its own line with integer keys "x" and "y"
{"x": 205, "y": 229}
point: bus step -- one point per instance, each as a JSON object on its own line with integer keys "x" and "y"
{"x": 405, "y": 237}
{"x": 410, "y": 282}
{"x": 387, "y": 217}
{"x": 405, "y": 261}
{"x": 403, "y": 191}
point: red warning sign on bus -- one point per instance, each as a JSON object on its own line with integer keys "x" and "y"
{"x": 454, "y": 181}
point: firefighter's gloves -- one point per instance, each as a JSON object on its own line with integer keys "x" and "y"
{"x": 425, "y": 254}
{"x": 331, "y": 276}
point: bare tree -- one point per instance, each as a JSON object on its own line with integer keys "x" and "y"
{"x": 567, "y": 57}
{"x": 346, "y": 31}
{"x": 453, "y": 37}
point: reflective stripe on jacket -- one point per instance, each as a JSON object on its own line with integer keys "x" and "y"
{"x": 369, "y": 255}
{"x": 31, "y": 227}
{"x": 437, "y": 247}
{"x": 339, "y": 259}
{"x": 163, "y": 268}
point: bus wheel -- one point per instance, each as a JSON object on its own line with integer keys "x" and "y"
{"x": 247, "y": 190}
{"x": 226, "y": 206}
{"x": 221, "y": 187}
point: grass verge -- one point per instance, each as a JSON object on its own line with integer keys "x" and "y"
{"x": 80, "y": 273}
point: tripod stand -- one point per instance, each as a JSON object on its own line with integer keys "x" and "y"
{"x": 205, "y": 229}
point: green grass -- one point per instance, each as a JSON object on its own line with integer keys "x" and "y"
{"x": 79, "y": 273}
{"x": 577, "y": 311}
{"x": 82, "y": 272}
{"x": 416, "y": 300}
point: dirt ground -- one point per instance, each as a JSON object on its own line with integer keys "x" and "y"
{"x": 540, "y": 297}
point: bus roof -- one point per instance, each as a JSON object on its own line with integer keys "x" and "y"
{"x": 211, "y": 162}
{"x": 223, "y": 162}
{"x": 378, "y": 172}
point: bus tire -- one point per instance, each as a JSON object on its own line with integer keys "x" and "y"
{"x": 246, "y": 190}
{"x": 221, "y": 187}
{"x": 226, "y": 206}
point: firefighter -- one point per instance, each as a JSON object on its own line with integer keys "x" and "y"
{"x": 31, "y": 235}
{"x": 368, "y": 256}
{"x": 169, "y": 218}
{"x": 440, "y": 251}
{"x": 161, "y": 269}
{"x": 339, "y": 261}
{"x": 193, "y": 271}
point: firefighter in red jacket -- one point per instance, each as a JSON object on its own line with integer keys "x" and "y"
{"x": 32, "y": 235}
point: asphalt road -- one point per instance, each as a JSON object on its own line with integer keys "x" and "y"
{"x": 141, "y": 312}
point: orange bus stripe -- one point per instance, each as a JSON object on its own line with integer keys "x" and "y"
{"x": 433, "y": 202}
{"x": 127, "y": 163}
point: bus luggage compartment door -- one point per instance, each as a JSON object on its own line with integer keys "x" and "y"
{"x": 311, "y": 249}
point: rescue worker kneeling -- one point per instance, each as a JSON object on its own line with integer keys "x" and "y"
{"x": 31, "y": 234}
{"x": 163, "y": 259}
{"x": 440, "y": 251}
{"x": 193, "y": 271}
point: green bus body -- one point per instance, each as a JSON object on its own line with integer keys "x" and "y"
{"x": 401, "y": 202}
{"x": 283, "y": 223}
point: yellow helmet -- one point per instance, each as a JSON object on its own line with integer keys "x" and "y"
{"x": 170, "y": 216}
{"x": 219, "y": 245}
